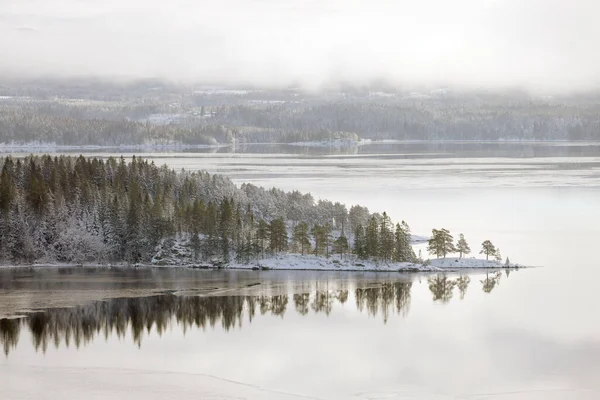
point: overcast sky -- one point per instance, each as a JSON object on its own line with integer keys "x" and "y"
{"x": 550, "y": 45}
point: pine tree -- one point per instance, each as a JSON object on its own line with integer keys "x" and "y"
{"x": 278, "y": 235}
{"x": 301, "y": 237}
{"x": 488, "y": 249}
{"x": 441, "y": 243}
{"x": 327, "y": 237}
{"x": 317, "y": 234}
{"x": 498, "y": 255}
{"x": 340, "y": 246}
{"x": 262, "y": 234}
{"x": 462, "y": 246}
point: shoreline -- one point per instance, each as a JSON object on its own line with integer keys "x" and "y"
{"x": 53, "y": 147}
{"x": 333, "y": 267}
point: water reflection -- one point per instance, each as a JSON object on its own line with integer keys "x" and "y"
{"x": 490, "y": 282}
{"x": 81, "y": 324}
{"x": 382, "y": 299}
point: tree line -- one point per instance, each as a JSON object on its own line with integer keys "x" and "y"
{"x": 441, "y": 244}
{"x": 134, "y": 116}
{"x": 77, "y": 209}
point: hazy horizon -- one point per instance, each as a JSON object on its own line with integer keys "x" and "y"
{"x": 542, "y": 46}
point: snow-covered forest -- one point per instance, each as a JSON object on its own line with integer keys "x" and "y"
{"x": 154, "y": 113}
{"x": 77, "y": 209}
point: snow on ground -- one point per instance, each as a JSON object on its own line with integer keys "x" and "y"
{"x": 178, "y": 253}
{"x": 181, "y": 257}
{"x": 472, "y": 262}
{"x": 333, "y": 263}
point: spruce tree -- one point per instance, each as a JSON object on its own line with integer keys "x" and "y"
{"x": 386, "y": 238}
{"x": 372, "y": 238}
{"x": 359, "y": 241}
{"x": 403, "y": 251}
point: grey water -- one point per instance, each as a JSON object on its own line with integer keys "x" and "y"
{"x": 171, "y": 333}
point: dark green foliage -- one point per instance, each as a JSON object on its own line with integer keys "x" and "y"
{"x": 372, "y": 238}
{"x": 462, "y": 246}
{"x": 360, "y": 246}
{"x": 340, "y": 245}
{"x": 301, "y": 237}
{"x": 278, "y": 237}
{"x": 441, "y": 243}
{"x": 488, "y": 249}
{"x": 403, "y": 248}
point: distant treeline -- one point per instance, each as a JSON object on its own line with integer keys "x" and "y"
{"x": 28, "y": 125}
{"x": 418, "y": 120}
{"x": 174, "y": 115}
{"x": 77, "y": 209}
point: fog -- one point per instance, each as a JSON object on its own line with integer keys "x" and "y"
{"x": 541, "y": 45}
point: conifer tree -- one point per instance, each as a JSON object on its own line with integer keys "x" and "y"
{"x": 386, "y": 238}
{"x": 488, "y": 249}
{"x": 372, "y": 238}
{"x": 326, "y": 232}
{"x": 462, "y": 246}
{"x": 262, "y": 234}
{"x": 498, "y": 255}
{"x": 317, "y": 234}
{"x": 301, "y": 237}
{"x": 403, "y": 249}
{"x": 359, "y": 241}
{"x": 278, "y": 235}
{"x": 441, "y": 243}
{"x": 340, "y": 246}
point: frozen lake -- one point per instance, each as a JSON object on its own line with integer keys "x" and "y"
{"x": 535, "y": 335}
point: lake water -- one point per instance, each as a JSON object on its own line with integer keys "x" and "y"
{"x": 534, "y": 334}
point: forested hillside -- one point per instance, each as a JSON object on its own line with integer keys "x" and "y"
{"x": 105, "y": 114}
{"x": 67, "y": 209}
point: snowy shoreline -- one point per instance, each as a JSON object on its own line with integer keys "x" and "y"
{"x": 297, "y": 262}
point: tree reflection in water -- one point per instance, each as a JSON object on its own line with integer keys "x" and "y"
{"x": 383, "y": 297}
{"x": 441, "y": 287}
{"x": 489, "y": 283}
{"x": 81, "y": 324}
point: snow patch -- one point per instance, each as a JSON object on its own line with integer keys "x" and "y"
{"x": 472, "y": 262}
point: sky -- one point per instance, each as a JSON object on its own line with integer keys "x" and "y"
{"x": 543, "y": 45}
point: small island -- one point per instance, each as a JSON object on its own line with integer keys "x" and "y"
{"x": 90, "y": 211}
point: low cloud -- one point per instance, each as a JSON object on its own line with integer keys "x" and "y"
{"x": 544, "y": 45}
